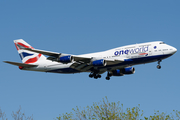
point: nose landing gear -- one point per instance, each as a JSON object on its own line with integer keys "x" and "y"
{"x": 159, "y": 66}
{"x": 107, "y": 78}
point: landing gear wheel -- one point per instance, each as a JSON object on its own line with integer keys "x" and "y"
{"x": 99, "y": 76}
{"x": 158, "y": 67}
{"x": 107, "y": 78}
{"x": 96, "y": 76}
{"x": 90, "y": 75}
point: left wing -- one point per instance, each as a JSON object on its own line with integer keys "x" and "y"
{"x": 20, "y": 64}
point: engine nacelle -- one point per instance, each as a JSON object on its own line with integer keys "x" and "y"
{"x": 99, "y": 63}
{"x": 65, "y": 59}
{"x": 124, "y": 71}
{"x": 128, "y": 70}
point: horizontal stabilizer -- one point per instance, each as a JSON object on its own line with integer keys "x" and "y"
{"x": 20, "y": 64}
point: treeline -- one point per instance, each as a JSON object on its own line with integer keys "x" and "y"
{"x": 18, "y": 115}
{"x": 103, "y": 110}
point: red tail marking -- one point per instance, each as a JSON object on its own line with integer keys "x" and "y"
{"x": 16, "y": 46}
{"x": 22, "y": 45}
{"x": 33, "y": 60}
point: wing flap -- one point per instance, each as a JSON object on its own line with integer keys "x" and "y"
{"x": 20, "y": 64}
{"x": 114, "y": 61}
{"x": 83, "y": 59}
{"x": 83, "y": 67}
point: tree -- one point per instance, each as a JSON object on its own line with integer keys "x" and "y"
{"x": 18, "y": 115}
{"x": 105, "y": 110}
{"x": 2, "y": 115}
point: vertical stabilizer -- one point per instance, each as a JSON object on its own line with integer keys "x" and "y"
{"x": 28, "y": 57}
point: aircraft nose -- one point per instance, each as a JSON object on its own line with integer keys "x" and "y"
{"x": 174, "y": 50}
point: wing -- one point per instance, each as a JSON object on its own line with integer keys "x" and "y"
{"x": 20, "y": 64}
{"x": 81, "y": 63}
{"x": 48, "y": 53}
{"x": 54, "y": 55}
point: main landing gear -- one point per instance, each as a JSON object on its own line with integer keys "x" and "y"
{"x": 159, "y": 66}
{"x": 108, "y": 76}
{"x": 95, "y": 75}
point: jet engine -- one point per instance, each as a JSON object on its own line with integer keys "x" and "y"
{"x": 99, "y": 63}
{"x": 124, "y": 71}
{"x": 65, "y": 59}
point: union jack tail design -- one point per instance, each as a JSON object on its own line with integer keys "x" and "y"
{"x": 26, "y": 56}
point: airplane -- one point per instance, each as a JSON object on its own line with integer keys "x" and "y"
{"x": 116, "y": 62}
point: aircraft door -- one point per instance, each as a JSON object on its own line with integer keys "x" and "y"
{"x": 150, "y": 50}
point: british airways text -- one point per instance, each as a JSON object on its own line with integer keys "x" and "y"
{"x": 132, "y": 51}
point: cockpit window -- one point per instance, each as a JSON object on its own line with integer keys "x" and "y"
{"x": 162, "y": 43}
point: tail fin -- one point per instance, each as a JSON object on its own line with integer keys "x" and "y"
{"x": 26, "y": 56}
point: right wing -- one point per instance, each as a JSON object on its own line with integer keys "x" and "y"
{"x": 48, "y": 53}
{"x": 55, "y": 55}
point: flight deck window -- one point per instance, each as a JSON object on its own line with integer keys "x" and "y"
{"x": 162, "y": 43}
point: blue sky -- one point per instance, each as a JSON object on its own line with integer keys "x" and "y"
{"x": 78, "y": 27}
